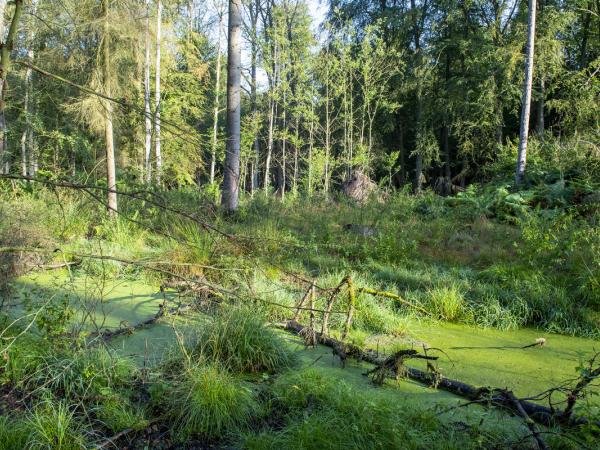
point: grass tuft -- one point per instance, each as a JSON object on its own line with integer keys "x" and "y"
{"x": 239, "y": 339}
{"x": 209, "y": 403}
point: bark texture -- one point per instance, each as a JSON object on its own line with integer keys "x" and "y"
{"x": 526, "y": 100}
{"x": 231, "y": 173}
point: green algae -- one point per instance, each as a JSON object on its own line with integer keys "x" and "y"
{"x": 482, "y": 357}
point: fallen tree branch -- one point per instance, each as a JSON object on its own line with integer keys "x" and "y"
{"x": 120, "y": 434}
{"x": 539, "y": 413}
{"x": 530, "y": 423}
{"x": 107, "y": 335}
{"x": 393, "y": 297}
{"x": 60, "y": 265}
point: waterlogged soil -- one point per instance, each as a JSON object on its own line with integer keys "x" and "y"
{"x": 481, "y": 357}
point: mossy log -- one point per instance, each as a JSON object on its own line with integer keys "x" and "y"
{"x": 484, "y": 395}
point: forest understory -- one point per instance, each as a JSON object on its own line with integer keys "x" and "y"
{"x": 299, "y": 224}
{"x": 158, "y": 329}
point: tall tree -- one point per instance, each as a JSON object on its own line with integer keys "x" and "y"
{"x": 157, "y": 92}
{"x": 526, "y": 102}
{"x": 6, "y": 46}
{"x": 231, "y": 173}
{"x": 217, "y": 91}
{"x": 147, "y": 108}
{"x": 108, "y": 112}
{"x": 28, "y": 157}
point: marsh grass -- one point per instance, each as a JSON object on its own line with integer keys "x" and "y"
{"x": 239, "y": 340}
{"x": 54, "y": 426}
{"x": 318, "y": 411}
{"x": 208, "y": 403}
{"x": 14, "y": 433}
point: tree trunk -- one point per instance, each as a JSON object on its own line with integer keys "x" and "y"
{"x": 6, "y": 46}
{"x": 157, "y": 94}
{"x": 269, "y": 145}
{"x": 417, "y": 39}
{"x": 108, "y": 111}
{"x": 147, "y": 110}
{"x": 28, "y": 158}
{"x": 296, "y": 151}
{"x": 327, "y": 134}
{"x": 402, "y": 151}
{"x": 311, "y": 135}
{"x": 583, "y": 57}
{"x": 284, "y": 151}
{"x": 253, "y": 88}
{"x": 539, "y": 118}
{"x": 526, "y": 100}
{"x": 234, "y": 72}
{"x": 213, "y": 150}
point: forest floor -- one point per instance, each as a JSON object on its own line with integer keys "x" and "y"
{"x": 472, "y": 289}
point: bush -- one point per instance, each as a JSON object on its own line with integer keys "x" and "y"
{"x": 239, "y": 339}
{"x": 209, "y": 403}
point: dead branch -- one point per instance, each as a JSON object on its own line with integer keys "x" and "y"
{"x": 395, "y": 297}
{"x": 539, "y": 413}
{"x": 535, "y": 432}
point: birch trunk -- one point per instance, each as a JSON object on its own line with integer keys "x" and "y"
{"x": 231, "y": 173}
{"x": 215, "y": 130}
{"x": 157, "y": 93}
{"x": 269, "y": 145}
{"x": 108, "y": 111}
{"x": 27, "y": 141}
{"x": 147, "y": 109}
{"x": 526, "y": 100}
{"x": 284, "y": 150}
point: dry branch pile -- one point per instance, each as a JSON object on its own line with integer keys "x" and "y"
{"x": 359, "y": 187}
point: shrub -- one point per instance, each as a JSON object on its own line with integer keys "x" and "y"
{"x": 239, "y": 339}
{"x": 209, "y": 402}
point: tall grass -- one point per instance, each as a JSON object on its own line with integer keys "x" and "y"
{"x": 318, "y": 411}
{"x": 53, "y": 426}
{"x": 208, "y": 403}
{"x": 239, "y": 340}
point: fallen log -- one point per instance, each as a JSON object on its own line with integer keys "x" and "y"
{"x": 61, "y": 265}
{"x": 107, "y": 335}
{"x": 539, "y": 413}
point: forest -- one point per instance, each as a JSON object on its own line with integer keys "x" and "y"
{"x": 299, "y": 224}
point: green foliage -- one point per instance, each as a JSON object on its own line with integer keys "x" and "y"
{"x": 319, "y": 411}
{"x": 117, "y": 413}
{"x": 53, "y": 426}
{"x": 208, "y": 402}
{"x": 446, "y": 302}
{"x": 14, "y": 433}
{"x": 82, "y": 374}
{"x": 239, "y": 339}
